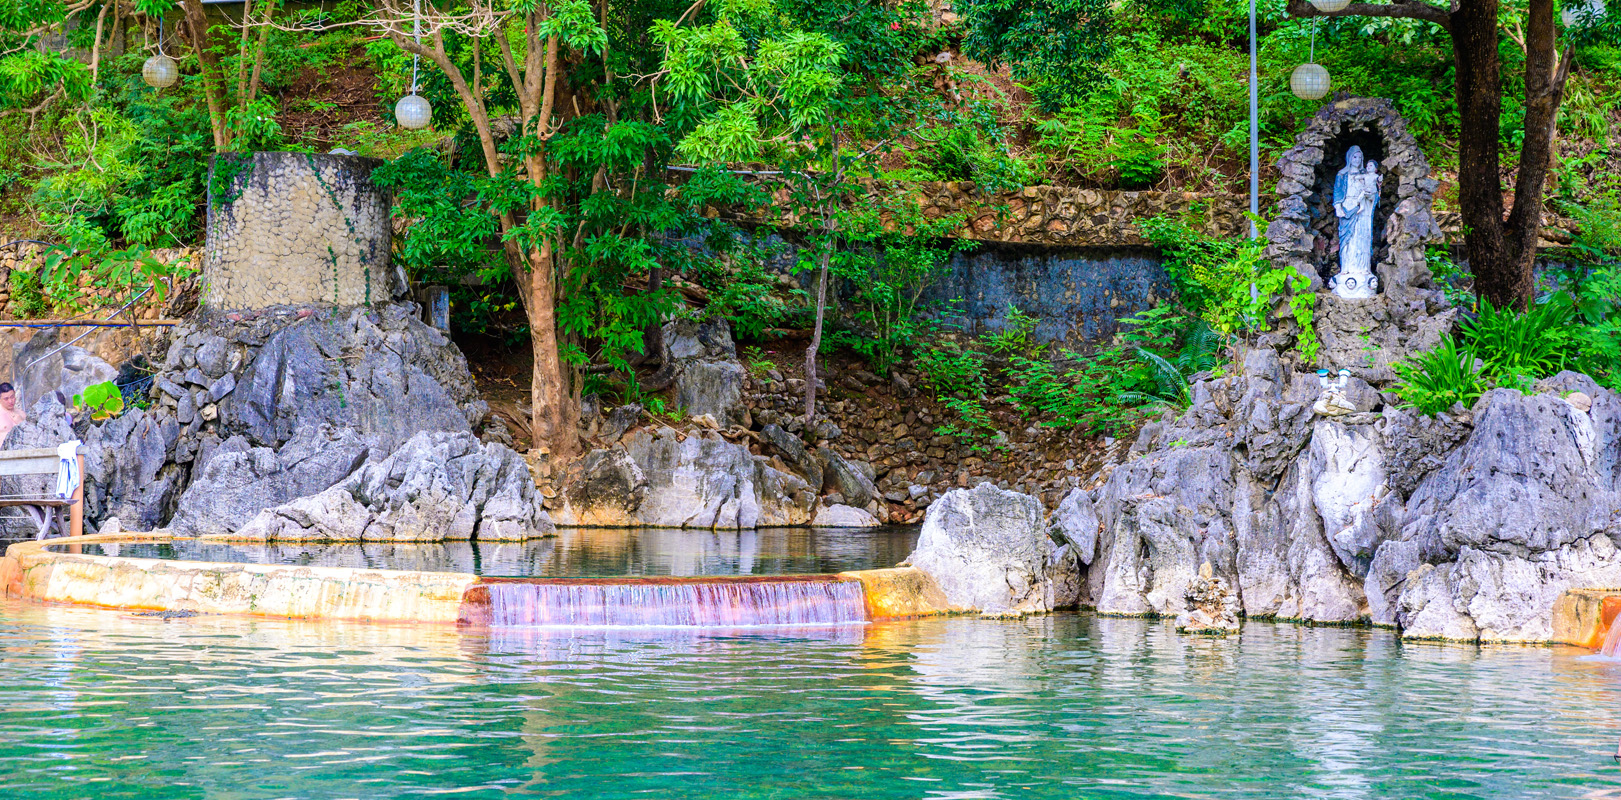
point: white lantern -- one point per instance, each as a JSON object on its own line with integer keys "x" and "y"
{"x": 160, "y": 72}
{"x": 413, "y": 112}
{"x": 1309, "y": 82}
{"x": 1330, "y": 6}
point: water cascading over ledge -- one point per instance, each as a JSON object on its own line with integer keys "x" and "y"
{"x": 696, "y": 602}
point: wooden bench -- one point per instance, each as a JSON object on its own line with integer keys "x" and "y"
{"x": 45, "y": 509}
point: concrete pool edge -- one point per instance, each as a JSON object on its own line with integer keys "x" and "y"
{"x": 37, "y": 570}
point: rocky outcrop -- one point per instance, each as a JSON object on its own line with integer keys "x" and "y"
{"x": 666, "y": 479}
{"x": 1460, "y": 526}
{"x": 1528, "y": 506}
{"x": 841, "y": 516}
{"x": 709, "y": 379}
{"x": 988, "y": 549}
{"x": 237, "y": 480}
{"x": 381, "y": 372}
{"x": 436, "y": 487}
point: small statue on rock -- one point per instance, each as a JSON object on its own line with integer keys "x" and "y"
{"x": 1332, "y": 402}
{"x": 1214, "y": 605}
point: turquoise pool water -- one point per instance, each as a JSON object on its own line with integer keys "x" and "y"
{"x": 99, "y": 704}
{"x": 577, "y": 552}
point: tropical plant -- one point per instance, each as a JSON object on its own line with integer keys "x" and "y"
{"x": 1507, "y": 343}
{"x": 1435, "y": 380}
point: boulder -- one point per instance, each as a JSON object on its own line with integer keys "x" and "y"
{"x": 988, "y": 549}
{"x": 842, "y": 516}
{"x": 436, "y": 487}
{"x": 1528, "y": 506}
{"x": 239, "y": 481}
{"x": 42, "y": 366}
{"x": 131, "y": 468}
{"x": 709, "y": 379}
{"x": 664, "y": 479}
{"x": 1212, "y": 606}
{"x": 846, "y": 477}
{"x": 794, "y": 452}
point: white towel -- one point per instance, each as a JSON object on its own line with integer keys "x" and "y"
{"x": 67, "y": 473}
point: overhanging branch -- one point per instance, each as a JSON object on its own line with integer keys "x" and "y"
{"x": 1411, "y": 9}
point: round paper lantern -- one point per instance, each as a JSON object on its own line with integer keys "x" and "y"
{"x": 160, "y": 72}
{"x": 1330, "y": 6}
{"x": 1309, "y": 82}
{"x": 413, "y": 112}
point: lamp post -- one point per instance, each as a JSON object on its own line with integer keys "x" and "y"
{"x": 1255, "y": 135}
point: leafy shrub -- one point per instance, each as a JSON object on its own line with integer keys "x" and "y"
{"x": 27, "y": 293}
{"x": 1435, "y": 380}
{"x": 894, "y": 253}
{"x": 746, "y": 295}
{"x": 1016, "y": 337}
{"x": 953, "y": 370}
{"x": 1230, "y": 283}
{"x": 1533, "y": 343}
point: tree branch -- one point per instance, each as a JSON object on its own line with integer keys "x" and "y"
{"x": 1412, "y": 9}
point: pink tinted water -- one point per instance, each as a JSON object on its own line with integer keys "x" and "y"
{"x": 689, "y": 603}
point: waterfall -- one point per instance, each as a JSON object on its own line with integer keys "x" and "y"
{"x": 708, "y": 602}
{"x": 1612, "y": 639}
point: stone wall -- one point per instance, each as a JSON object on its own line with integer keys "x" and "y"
{"x": 289, "y": 228}
{"x": 1048, "y": 215}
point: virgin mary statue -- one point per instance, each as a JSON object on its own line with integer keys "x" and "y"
{"x": 1356, "y": 193}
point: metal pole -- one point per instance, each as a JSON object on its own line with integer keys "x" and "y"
{"x": 1255, "y": 130}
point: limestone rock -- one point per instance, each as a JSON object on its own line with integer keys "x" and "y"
{"x": 386, "y": 375}
{"x": 436, "y": 487}
{"x": 709, "y": 379}
{"x": 846, "y": 477}
{"x": 842, "y": 516}
{"x": 796, "y": 454}
{"x": 988, "y": 549}
{"x": 666, "y": 480}
{"x": 1212, "y": 606}
{"x": 239, "y": 480}
{"x": 1528, "y": 506}
{"x": 1076, "y": 524}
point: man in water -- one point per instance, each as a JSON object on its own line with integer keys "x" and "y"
{"x": 10, "y": 417}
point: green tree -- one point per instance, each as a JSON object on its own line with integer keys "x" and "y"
{"x": 1054, "y": 47}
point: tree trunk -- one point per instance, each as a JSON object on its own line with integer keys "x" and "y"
{"x": 553, "y": 416}
{"x": 1545, "y": 74}
{"x": 1480, "y": 108}
{"x": 213, "y": 93}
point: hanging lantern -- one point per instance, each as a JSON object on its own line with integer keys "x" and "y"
{"x": 160, "y": 72}
{"x": 1309, "y": 82}
{"x": 413, "y": 112}
{"x": 1330, "y": 6}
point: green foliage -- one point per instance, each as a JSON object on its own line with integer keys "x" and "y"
{"x": 1230, "y": 284}
{"x": 953, "y": 371}
{"x": 28, "y": 293}
{"x": 892, "y": 255}
{"x": 746, "y": 295}
{"x": 1054, "y": 47}
{"x": 1508, "y": 343}
{"x": 101, "y": 400}
{"x": 1016, "y": 337}
{"x": 1437, "y": 379}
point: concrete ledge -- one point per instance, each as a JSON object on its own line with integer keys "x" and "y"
{"x": 902, "y": 592}
{"x": 32, "y": 571}
{"x": 1583, "y": 616}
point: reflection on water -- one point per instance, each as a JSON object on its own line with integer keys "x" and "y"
{"x": 579, "y": 552}
{"x": 99, "y": 704}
